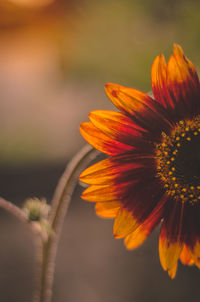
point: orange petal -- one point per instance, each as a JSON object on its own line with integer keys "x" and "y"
{"x": 129, "y": 100}
{"x": 118, "y": 127}
{"x": 107, "y": 209}
{"x": 136, "y": 238}
{"x": 172, "y": 271}
{"x": 124, "y": 223}
{"x": 100, "y": 141}
{"x": 169, "y": 254}
{"x": 145, "y": 112}
{"x": 195, "y": 253}
{"x": 115, "y": 169}
{"x": 99, "y": 193}
{"x": 103, "y": 193}
{"x": 159, "y": 81}
{"x": 183, "y": 82}
{"x": 170, "y": 243}
{"x": 186, "y": 257}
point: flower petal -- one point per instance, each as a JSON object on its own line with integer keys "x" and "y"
{"x": 196, "y": 253}
{"x": 140, "y": 204}
{"x": 119, "y": 127}
{"x": 141, "y": 108}
{"x": 170, "y": 240}
{"x": 107, "y": 192}
{"x": 186, "y": 257}
{"x": 172, "y": 271}
{"x": 100, "y": 193}
{"x": 107, "y": 209}
{"x": 124, "y": 223}
{"x": 183, "y": 83}
{"x": 120, "y": 168}
{"x": 137, "y": 237}
{"x": 192, "y": 230}
{"x": 159, "y": 82}
{"x": 102, "y": 142}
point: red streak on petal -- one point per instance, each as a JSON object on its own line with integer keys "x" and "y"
{"x": 114, "y": 93}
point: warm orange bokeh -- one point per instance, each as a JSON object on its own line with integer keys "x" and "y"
{"x": 31, "y": 3}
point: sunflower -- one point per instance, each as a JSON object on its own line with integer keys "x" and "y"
{"x": 152, "y": 174}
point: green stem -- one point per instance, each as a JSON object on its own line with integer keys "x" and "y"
{"x": 47, "y": 249}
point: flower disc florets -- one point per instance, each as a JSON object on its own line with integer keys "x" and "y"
{"x": 178, "y": 161}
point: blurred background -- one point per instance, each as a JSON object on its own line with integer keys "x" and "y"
{"x": 55, "y": 57}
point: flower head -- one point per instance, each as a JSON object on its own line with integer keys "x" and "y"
{"x": 153, "y": 173}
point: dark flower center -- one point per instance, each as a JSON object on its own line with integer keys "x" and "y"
{"x": 178, "y": 161}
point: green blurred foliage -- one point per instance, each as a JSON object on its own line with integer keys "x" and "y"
{"x": 118, "y": 40}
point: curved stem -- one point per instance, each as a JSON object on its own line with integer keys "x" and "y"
{"x": 12, "y": 209}
{"x": 60, "y": 204}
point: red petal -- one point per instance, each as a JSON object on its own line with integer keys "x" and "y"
{"x": 159, "y": 82}
{"x": 183, "y": 83}
{"x": 192, "y": 232}
{"x": 140, "y": 201}
{"x": 140, "y": 107}
{"x": 102, "y": 142}
{"x": 119, "y": 127}
{"x": 170, "y": 240}
{"x": 117, "y": 169}
{"x": 136, "y": 238}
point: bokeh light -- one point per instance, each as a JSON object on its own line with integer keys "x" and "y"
{"x": 31, "y": 3}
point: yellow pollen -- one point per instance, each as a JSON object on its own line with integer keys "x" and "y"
{"x": 172, "y": 156}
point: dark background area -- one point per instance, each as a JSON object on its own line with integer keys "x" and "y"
{"x": 55, "y": 57}
{"x": 91, "y": 265}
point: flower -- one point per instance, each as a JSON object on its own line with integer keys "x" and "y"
{"x": 153, "y": 173}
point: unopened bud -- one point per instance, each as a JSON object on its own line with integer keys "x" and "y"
{"x": 36, "y": 210}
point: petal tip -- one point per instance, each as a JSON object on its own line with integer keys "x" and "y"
{"x": 177, "y": 49}
{"x": 110, "y": 89}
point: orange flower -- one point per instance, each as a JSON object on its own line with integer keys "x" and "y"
{"x": 153, "y": 172}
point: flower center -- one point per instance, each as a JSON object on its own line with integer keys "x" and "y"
{"x": 178, "y": 161}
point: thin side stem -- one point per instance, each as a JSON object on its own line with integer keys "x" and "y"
{"x": 60, "y": 204}
{"x": 12, "y": 209}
